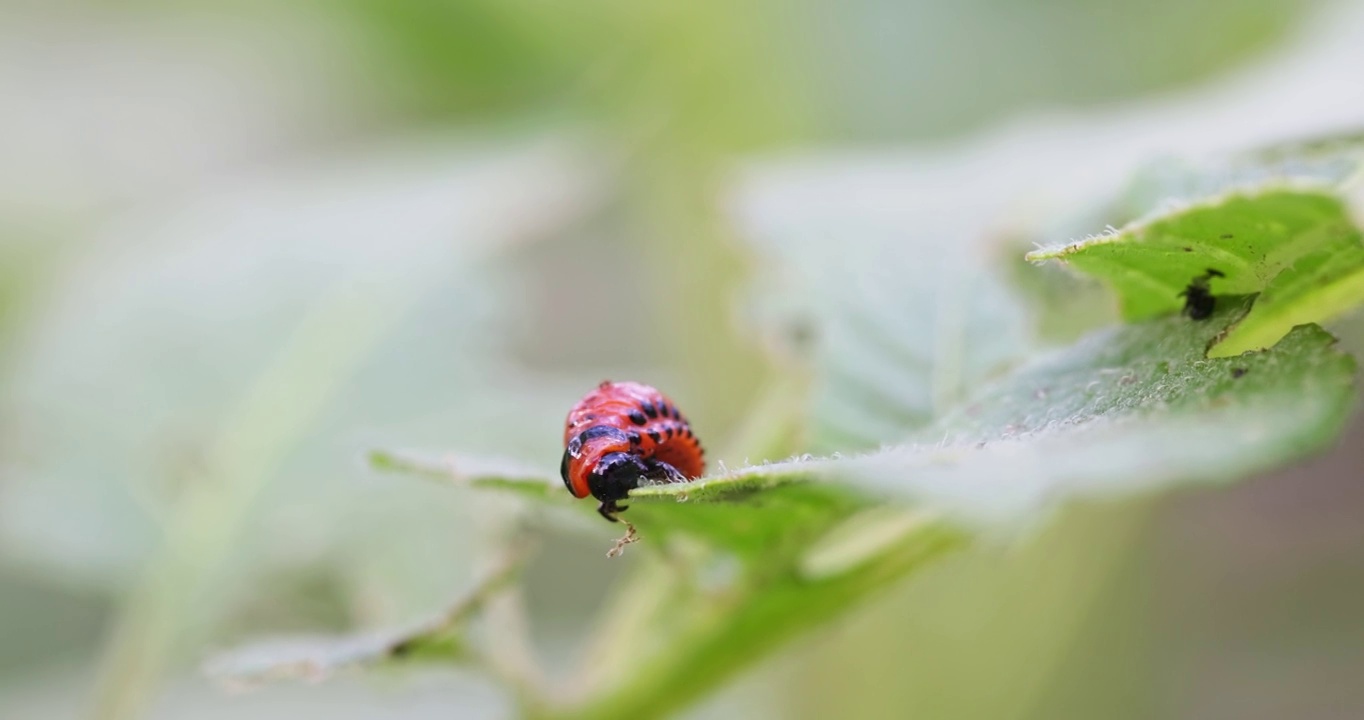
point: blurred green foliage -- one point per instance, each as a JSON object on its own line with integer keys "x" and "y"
{"x": 140, "y": 139}
{"x": 713, "y": 75}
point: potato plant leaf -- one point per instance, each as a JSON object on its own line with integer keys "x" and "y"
{"x": 1124, "y": 410}
{"x": 1282, "y": 230}
{"x": 480, "y": 472}
{"x": 884, "y": 283}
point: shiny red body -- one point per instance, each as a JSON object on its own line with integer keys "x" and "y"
{"x": 622, "y": 433}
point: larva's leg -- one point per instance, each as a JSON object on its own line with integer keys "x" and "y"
{"x": 670, "y": 473}
{"x": 609, "y": 509}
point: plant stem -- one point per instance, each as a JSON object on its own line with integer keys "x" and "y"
{"x": 723, "y": 643}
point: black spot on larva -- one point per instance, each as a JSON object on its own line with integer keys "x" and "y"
{"x": 634, "y": 438}
{"x": 637, "y": 417}
{"x": 1239, "y": 372}
{"x": 649, "y": 409}
{"x": 596, "y": 431}
{"x": 563, "y": 471}
{"x": 653, "y": 435}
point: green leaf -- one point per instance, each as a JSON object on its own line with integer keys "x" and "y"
{"x": 887, "y": 291}
{"x": 763, "y": 518}
{"x": 1124, "y": 410}
{"x": 1320, "y": 286}
{"x": 777, "y": 555}
{"x": 717, "y": 634}
{"x": 498, "y": 473}
{"x": 1282, "y": 231}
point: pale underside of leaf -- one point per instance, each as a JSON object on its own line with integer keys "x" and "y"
{"x": 1125, "y": 410}
{"x": 891, "y": 296}
{"x": 471, "y": 470}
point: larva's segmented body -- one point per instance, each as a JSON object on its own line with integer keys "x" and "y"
{"x": 621, "y": 434}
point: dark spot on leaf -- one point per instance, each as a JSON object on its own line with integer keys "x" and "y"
{"x": 1239, "y": 372}
{"x": 1188, "y": 249}
{"x": 1227, "y": 236}
{"x": 800, "y": 334}
{"x": 1199, "y": 302}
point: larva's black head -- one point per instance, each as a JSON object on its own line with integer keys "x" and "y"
{"x": 616, "y": 475}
